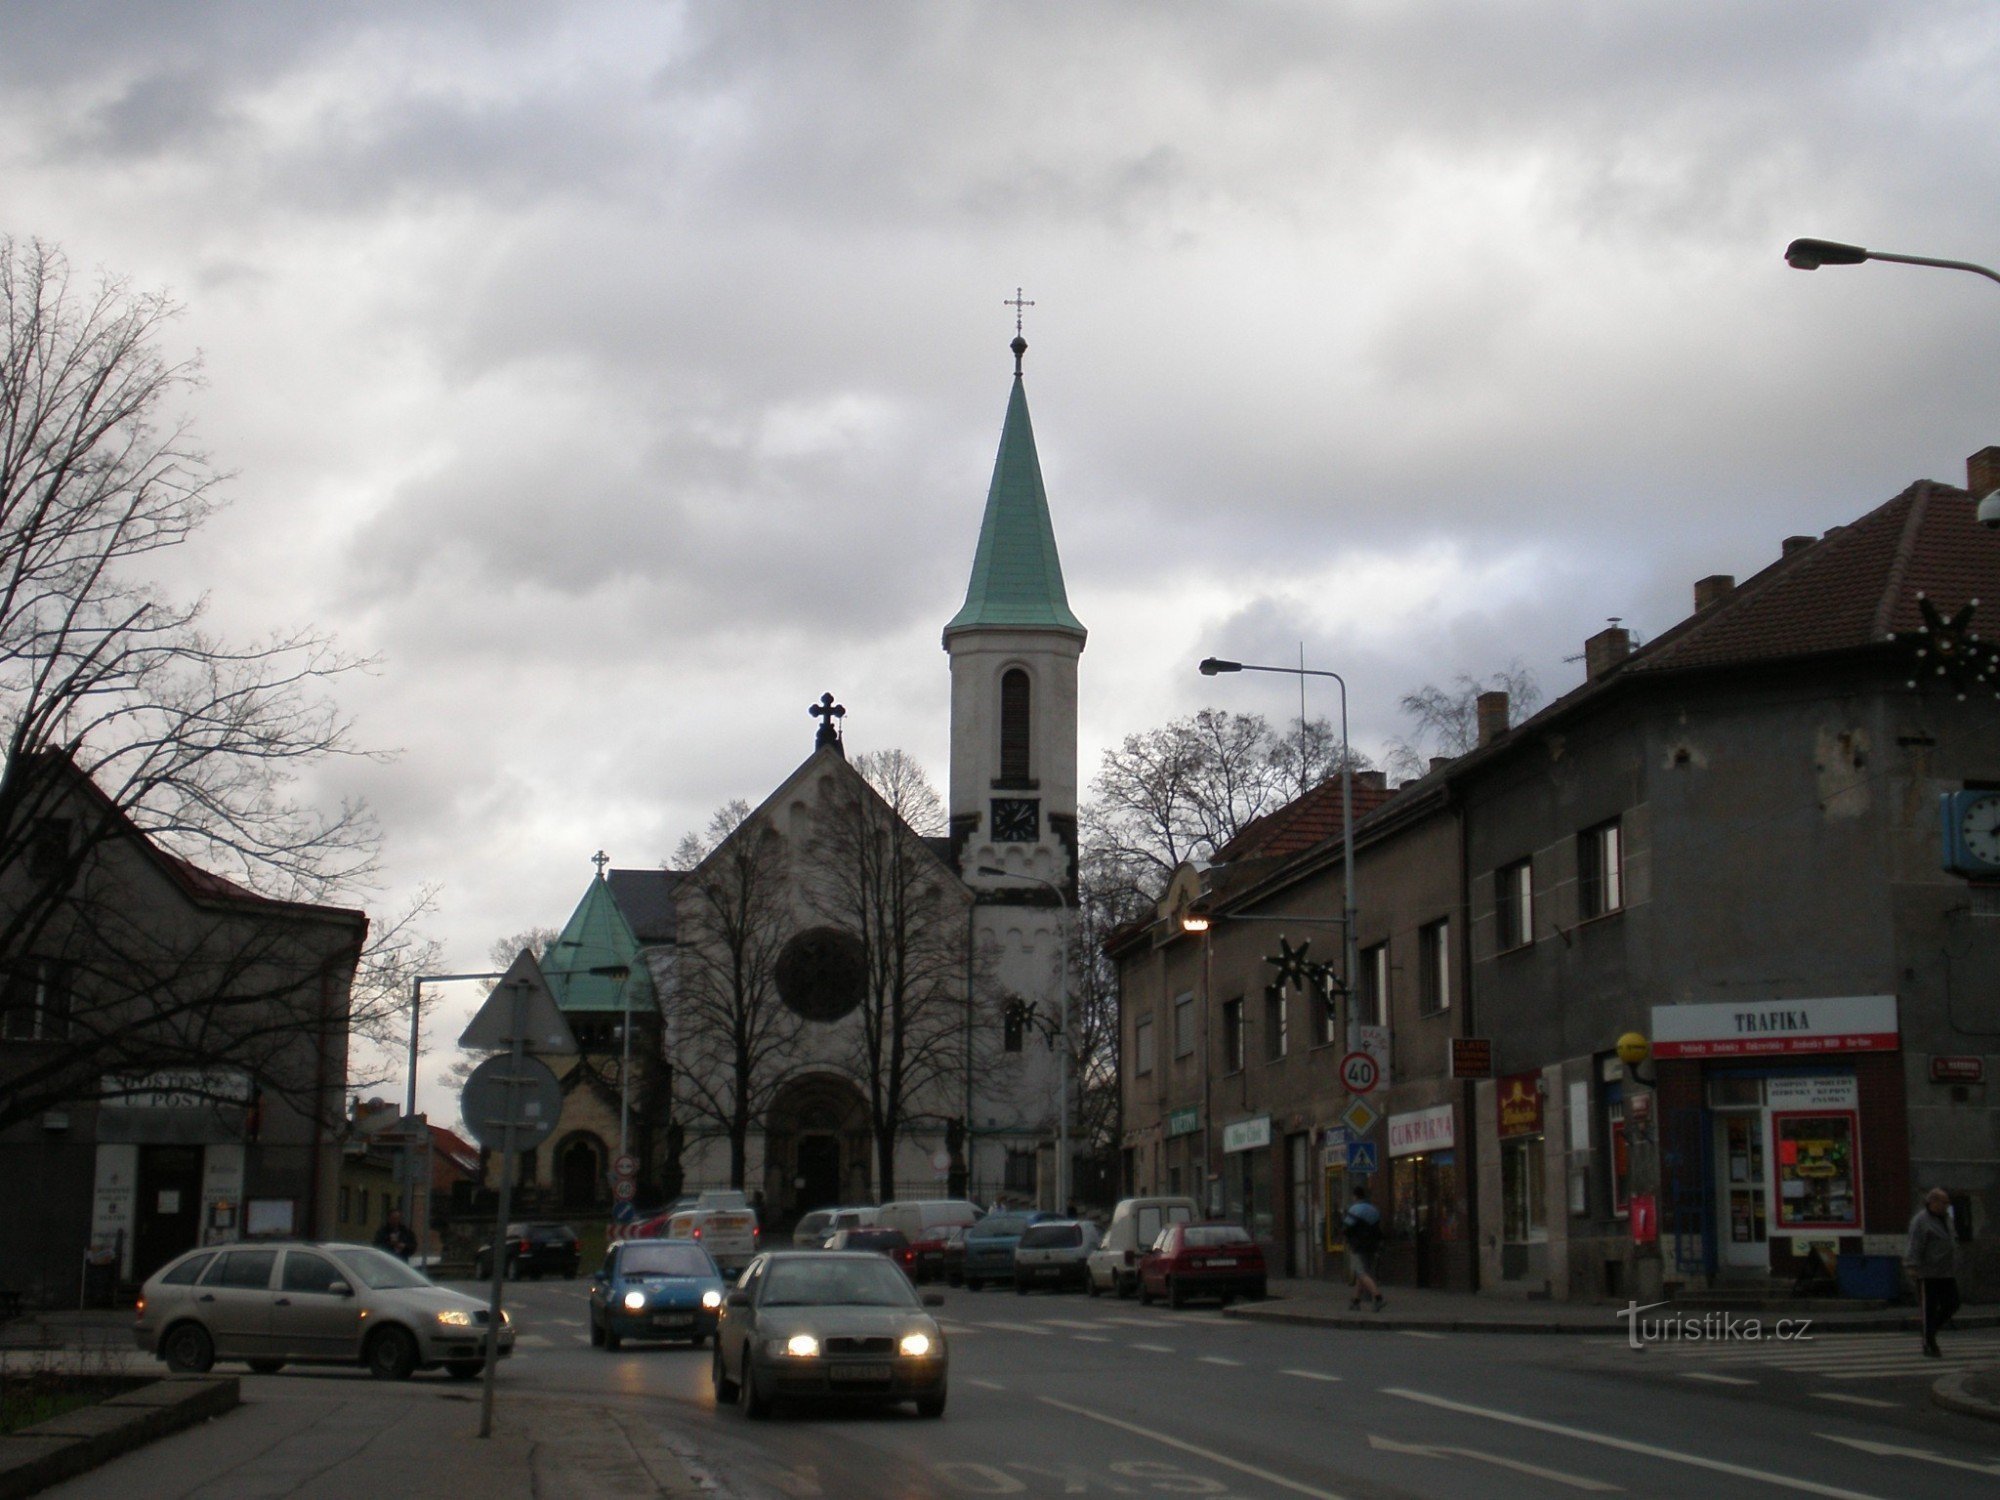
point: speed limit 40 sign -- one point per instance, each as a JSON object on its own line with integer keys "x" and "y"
{"x": 1360, "y": 1072}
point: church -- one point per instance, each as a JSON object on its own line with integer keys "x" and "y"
{"x": 853, "y": 996}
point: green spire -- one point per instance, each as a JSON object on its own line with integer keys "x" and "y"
{"x": 1017, "y": 578}
{"x": 596, "y": 937}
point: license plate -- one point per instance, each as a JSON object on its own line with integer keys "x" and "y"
{"x": 1047, "y": 1270}
{"x": 862, "y": 1373}
{"x": 672, "y": 1320}
{"x": 1224, "y": 1262}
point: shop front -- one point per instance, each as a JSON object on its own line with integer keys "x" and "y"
{"x": 1524, "y": 1221}
{"x": 1426, "y": 1208}
{"x": 1776, "y": 1173}
{"x": 1247, "y": 1191}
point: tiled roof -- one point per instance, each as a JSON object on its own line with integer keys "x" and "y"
{"x": 645, "y": 898}
{"x": 1846, "y": 590}
{"x": 1301, "y": 823}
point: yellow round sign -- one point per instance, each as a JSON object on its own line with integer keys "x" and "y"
{"x": 1633, "y": 1048}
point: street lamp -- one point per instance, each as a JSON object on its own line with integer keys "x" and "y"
{"x": 1810, "y": 255}
{"x": 1062, "y": 1062}
{"x": 1214, "y": 665}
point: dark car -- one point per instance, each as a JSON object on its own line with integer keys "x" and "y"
{"x": 532, "y": 1250}
{"x": 890, "y": 1242}
{"x": 989, "y": 1245}
{"x": 951, "y": 1255}
{"x": 1202, "y": 1260}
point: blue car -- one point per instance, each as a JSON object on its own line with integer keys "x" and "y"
{"x": 989, "y": 1246}
{"x": 655, "y": 1289}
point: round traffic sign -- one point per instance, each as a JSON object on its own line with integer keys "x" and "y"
{"x": 1359, "y": 1072}
{"x": 625, "y": 1190}
{"x": 500, "y": 1086}
{"x": 625, "y": 1166}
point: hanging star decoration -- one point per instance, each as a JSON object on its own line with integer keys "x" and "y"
{"x": 1296, "y": 969}
{"x": 1947, "y": 651}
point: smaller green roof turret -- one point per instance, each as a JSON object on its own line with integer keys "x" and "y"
{"x": 596, "y": 937}
{"x": 1017, "y": 580}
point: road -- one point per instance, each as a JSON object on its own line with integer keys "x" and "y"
{"x": 1067, "y": 1395}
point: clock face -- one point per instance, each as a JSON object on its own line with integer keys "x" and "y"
{"x": 1015, "y": 820}
{"x": 1979, "y": 829}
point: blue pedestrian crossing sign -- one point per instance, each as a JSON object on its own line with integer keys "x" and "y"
{"x": 1361, "y": 1159}
{"x": 625, "y": 1211}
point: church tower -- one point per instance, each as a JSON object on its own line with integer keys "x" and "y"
{"x": 1014, "y": 646}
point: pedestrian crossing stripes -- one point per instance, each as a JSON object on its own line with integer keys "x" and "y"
{"x": 1843, "y": 1357}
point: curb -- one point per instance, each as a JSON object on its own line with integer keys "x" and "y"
{"x": 36, "y": 1457}
{"x": 1951, "y": 1394}
{"x": 1610, "y": 1328}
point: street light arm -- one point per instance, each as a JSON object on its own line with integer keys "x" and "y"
{"x": 1810, "y": 255}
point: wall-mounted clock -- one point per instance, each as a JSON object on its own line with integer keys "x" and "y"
{"x": 1972, "y": 833}
{"x": 1016, "y": 820}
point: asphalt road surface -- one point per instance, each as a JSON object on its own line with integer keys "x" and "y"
{"x": 1067, "y": 1395}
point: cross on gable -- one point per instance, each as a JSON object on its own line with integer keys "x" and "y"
{"x": 827, "y": 712}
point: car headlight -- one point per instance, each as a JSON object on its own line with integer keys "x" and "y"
{"x": 455, "y": 1317}
{"x": 711, "y": 1300}
{"x": 916, "y": 1345}
{"x": 802, "y": 1346}
{"x": 635, "y": 1301}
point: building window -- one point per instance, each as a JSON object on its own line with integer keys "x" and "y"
{"x": 48, "y": 849}
{"x": 1322, "y": 1014}
{"x": 1013, "y": 1026}
{"x": 1232, "y": 1036}
{"x": 1277, "y": 1026}
{"x": 1184, "y": 1026}
{"x": 1434, "y": 967}
{"x": 346, "y": 1205}
{"x": 1014, "y": 738}
{"x": 1600, "y": 871}
{"x": 1018, "y": 1176}
{"x": 1375, "y": 985}
{"x": 1513, "y": 906}
{"x": 34, "y": 1005}
{"x": 1142, "y": 1046}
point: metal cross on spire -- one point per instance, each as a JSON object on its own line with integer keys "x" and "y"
{"x": 1020, "y": 345}
{"x": 600, "y": 859}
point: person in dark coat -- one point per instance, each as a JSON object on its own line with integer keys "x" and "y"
{"x": 395, "y": 1237}
{"x": 1932, "y": 1261}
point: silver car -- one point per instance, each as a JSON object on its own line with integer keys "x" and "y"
{"x": 273, "y": 1304}
{"x": 834, "y": 1324}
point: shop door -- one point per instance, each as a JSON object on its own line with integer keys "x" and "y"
{"x": 819, "y": 1171}
{"x": 1742, "y": 1183}
{"x": 167, "y": 1217}
{"x": 1298, "y": 1206}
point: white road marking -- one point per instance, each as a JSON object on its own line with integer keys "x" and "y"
{"x": 1627, "y": 1445}
{"x": 1418, "y": 1333}
{"x": 1040, "y": 1333}
{"x": 956, "y": 1329}
{"x": 1144, "y": 1322}
{"x": 984, "y": 1385}
{"x": 1090, "y": 1338}
{"x": 1310, "y": 1374}
{"x": 1066, "y": 1323}
{"x": 1217, "y": 1359}
{"x": 1890, "y": 1450}
{"x": 1199, "y": 1452}
{"x": 1714, "y": 1379}
{"x": 1426, "y": 1450}
{"x": 1855, "y": 1400}
{"x": 532, "y": 1341}
{"x": 1154, "y": 1348}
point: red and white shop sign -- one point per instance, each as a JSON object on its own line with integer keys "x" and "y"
{"x": 1775, "y": 1028}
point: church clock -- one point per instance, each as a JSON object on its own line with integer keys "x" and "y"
{"x": 1016, "y": 820}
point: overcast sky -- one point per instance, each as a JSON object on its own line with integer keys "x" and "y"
{"x": 626, "y": 375}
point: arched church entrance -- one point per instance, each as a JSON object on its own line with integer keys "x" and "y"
{"x": 580, "y": 1174}
{"x": 816, "y": 1150}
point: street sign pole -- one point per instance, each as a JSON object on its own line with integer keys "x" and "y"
{"x": 516, "y": 1050}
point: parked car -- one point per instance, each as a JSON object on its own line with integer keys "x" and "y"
{"x": 889, "y": 1242}
{"x": 989, "y": 1246}
{"x": 1055, "y": 1253}
{"x": 655, "y": 1289}
{"x": 834, "y": 1325}
{"x": 924, "y": 1260}
{"x": 814, "y": 1229}
{"x": 532, "y": 1250}
{"x": 1209, "y": 1259}
{"x": 731, "y": 1236}
{"x": 1135, "y": 1224}
{"x": 274, "y": 1304}
{"x": 952, "y": 1258}
{"x": 917, "y": 1216}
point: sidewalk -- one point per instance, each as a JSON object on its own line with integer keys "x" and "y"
{"x": 1324, "y": 1304}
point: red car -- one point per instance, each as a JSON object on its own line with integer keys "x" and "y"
{"x": 1211, "y": 1259}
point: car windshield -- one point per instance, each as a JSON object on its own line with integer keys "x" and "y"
{"x": 994, "y": 1226}
{"x": 665, "y": 1260}
{"x": 378, "y": 1271}
{"x": 1052, "y": 1237}
{"x": 836, "y": 1283}
{"x": 1216, "y": 1234}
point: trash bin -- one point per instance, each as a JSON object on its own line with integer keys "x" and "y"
{"x": 1875, "y": 1278}
{"x": 100, "y": 1280}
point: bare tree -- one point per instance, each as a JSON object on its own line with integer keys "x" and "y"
{"x": 906, "y": 913}
{"x": 188, "y": 742}
{"x": 735, "y": 1040}
{"x": 1445, "y": 721}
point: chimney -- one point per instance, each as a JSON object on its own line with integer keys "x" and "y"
{"x": 1439, "y": 762}
{"x": 1982, "y": 473}
{"x": 1793, "y": 544}
{"x": 1492, "y": 716}
{"x": 1712, "y": 590}
{"x": 1374, "y": 780}
{"x": 1605, "y": 650}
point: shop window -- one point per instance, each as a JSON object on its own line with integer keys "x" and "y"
{"x": 1618, "y": 1154}
{"x": 1434, "y": 967}
{"x": 1818, "y": 1184}
{"x": 1375, "y": 985}
{"x": 1523, "y": 1195}
{"x": 1513, "y": 906}
{"x": 1142, "y": 1046}
{"x": 1600, "y": 871}
{"x": 1232, "y": 1036}
{"x": 1184, "y": 1026}
{"x": 1277, "y": 1025}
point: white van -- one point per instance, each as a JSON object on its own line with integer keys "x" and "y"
{"x": 918, "y": 1217}
{"x": 1135, "y": 1224}
{"x": 729, "y": 1235}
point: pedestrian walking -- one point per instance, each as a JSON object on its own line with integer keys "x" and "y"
{"x": 395, "y": 1237}
{"x": 1932, "y": 1261}
{"x": 1361, "y": 1227}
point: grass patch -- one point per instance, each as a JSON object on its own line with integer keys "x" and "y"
{"x": 28, "y": 1397}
